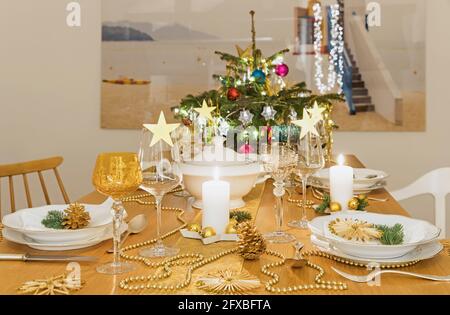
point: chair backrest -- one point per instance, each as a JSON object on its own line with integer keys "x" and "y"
{"x": 436, "y": 183}
{"x": 25, "y": 168}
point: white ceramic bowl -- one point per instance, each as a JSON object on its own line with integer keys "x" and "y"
{"x": 417, "y": 232}
{"x": 242, "y": 177}
{"x": 28, "y": 222}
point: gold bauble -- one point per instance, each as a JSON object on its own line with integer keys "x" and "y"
{"x": 231, "y": 229}
{"x": 353, "y": 204}
{"x": 251, "y": 243}
{"x": 362, "y": 197}
{"x": 194, "y": 227}
{"x": 208, "y": 232}
{"x": 335, "y": 207}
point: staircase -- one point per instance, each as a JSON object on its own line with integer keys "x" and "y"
{"x": 360, "y": 95}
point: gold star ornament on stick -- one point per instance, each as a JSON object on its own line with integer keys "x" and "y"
{"x": 205, "y": 111}
{"x": 307, "y": 125}
{"x": 161, "y": 130}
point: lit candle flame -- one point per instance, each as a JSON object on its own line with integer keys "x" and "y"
{"x": 341, "y": 159}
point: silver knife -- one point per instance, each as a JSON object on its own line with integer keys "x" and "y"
{"x": 29, "y": 257}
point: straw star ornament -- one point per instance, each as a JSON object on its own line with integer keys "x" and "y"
{"x": 161, "y": 130}
{"x": 316, "y": 112}
{"x": 307, "y": 125}
{"x": 205, "y": 111}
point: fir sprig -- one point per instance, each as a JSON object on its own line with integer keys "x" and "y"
{"x": 54, "y": 220}
{"x": 324, "y": 205}
{"x": 391, "y": 235}
{"x": 240, "y": 215}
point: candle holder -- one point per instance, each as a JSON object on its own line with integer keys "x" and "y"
{"x": 209, "y": 240}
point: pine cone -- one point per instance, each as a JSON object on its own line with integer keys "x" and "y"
{"x": 76, "y": 217}
{"x": 251, "y": 244}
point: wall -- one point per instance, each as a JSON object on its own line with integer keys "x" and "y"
{"x": 49, "y": 98}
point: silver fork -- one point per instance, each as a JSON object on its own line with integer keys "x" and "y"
{"x": 373, "y": 274}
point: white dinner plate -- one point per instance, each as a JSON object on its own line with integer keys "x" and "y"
{"x": 18, "y": 237}
{"x": 417, "y": 232}
{"x": 362, "y": 176}
{"x": 28, "y": 221}
{"x": 357, "y": 188}
{"x": 421, "y": 252}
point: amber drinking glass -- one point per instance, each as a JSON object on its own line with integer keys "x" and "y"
{"x": 117, "y": 175}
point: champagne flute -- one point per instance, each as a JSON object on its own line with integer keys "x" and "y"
{"x": 310, "y": 159}
{"x": 116, "y": 175}
{"x": 160, "y": 176}
{"x": 278, "y": 160}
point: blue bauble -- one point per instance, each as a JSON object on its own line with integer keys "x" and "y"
{"x": 259, "y": 76}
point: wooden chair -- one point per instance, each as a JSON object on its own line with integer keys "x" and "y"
{"x": 25, "y": 168}
{"x": 436, "y": 183}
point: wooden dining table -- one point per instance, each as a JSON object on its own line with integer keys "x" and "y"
{"x": 14, "y": 273}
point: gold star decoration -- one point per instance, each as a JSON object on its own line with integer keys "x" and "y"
{"x": 161, "y": 131}
{"x": 307, "y": 125}
{"x": 228, "y": 282}
{"x": 205, "y": 111}
{"x": 57, "y": 285}
{"x": 244, "y": 53}
{"x": 316, "y": 112}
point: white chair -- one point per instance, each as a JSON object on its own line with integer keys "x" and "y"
{"x": 436, "y": 183}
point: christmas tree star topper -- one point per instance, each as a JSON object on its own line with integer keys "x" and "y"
{"x": 316, "y": 112}
{"x": 161, "y": 130}
{"x": 205, "y": 111}
{"x": 244, "y": 53}
{"x": 307, "y": 125}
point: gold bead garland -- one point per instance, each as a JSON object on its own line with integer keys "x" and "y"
{"x": 195, "y": 261}
{"x": 319, "y": 284}
{"x": 198, "y": 261}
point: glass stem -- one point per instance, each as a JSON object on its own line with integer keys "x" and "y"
{"x": 279, "y": 193}
{"x": 117, "y": 222}
{"x": 304, "y": 183}
{"x": 158, "y": 200}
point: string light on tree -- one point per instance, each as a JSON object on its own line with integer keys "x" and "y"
{"x": 293, "y": 115}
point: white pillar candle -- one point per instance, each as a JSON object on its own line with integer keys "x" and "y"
{"x": 216, "y": 203}
{"x": 341, "y": 183}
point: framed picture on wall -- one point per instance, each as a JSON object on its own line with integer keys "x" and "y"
{"x": 154, "y": 53}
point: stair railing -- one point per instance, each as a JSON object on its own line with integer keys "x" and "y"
{"x": 347, "y": 83}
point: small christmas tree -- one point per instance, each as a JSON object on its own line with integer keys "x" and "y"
{"x": 253, "y": 92}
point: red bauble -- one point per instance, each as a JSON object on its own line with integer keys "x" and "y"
{"x": 187, "y": 122}
{"x": 233, "y": 94}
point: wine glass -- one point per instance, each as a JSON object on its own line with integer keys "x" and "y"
{"x": 278, "y": 160}
{"x": 116, "y": 175}
{"x": 310, "y": 159}
{"x": 161, "y": 175}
